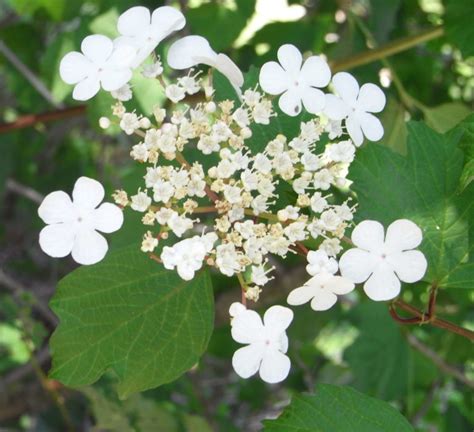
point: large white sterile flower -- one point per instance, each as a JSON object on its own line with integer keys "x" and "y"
{"x": 356, "y": 105}
{"x": 73, "y": 225}
{"x": 101, "y": 64}
{"x": 267, "y": 342}
{"x": 193, "y": 50}
{"x": 382, "y": 261}
{"x": 322, "y": 290}
{"x": 187, "y": 256}
{"x": 144, "y": 31}
{"x": 297, "y": 81}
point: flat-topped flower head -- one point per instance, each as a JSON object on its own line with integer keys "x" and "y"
{"x": 297, "y": 82}
{"x": 383, "y": 260}
{"x": 101, "y": 64}
{"x": 145, "y": 31}
{"x": 267, "y": 343}
{"x": 356, "y": 106}
{"x": 73, "y": 225}
{"x": 193, "y": 50}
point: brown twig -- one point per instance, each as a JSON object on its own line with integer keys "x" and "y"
{"x": 24, "y": 191}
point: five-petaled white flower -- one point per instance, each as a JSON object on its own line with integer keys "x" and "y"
{"x": 296, "y": 80}
{"x": 383, "y": 261}
{"x": 144, "y": 31}
{"x": 356, "y": 105}
{"x": 193, "y": 50}
{"x": 73, "y": 225}
{"x": 100, "y": 64}
{"x": 267, "y": 342}
{"x": 324, "y": 287}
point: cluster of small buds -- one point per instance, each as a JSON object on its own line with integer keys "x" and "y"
{"x": 239, "y": 188}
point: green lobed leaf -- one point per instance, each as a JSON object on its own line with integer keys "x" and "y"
{"x": 444, "y": 117}
{"x": 379, "y": 357}
{"x": 458, "y": 24}
{"x": 467, "y": 146}
{"x": 337, "y": 409}
{"x": 422, "y": 187}
{"x": 130, "y": 315}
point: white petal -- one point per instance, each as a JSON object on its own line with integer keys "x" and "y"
{"x": 410, "y": 266}
{"x": 166, "y": 20}
{"x": 114, "y": 79}
{"x": 278, "y": 318}
{"x": 315, "y": 72}
{"x": 323, "y": 300}
{"x": 183, "y": 53}
{"x": 86, "y": 89}
{"x": 236, "y": 308}
{"x": 273, "y": 79}
{"x": 371, "y": 98}
{"x": 108, "y": 218}
{"x": 354, "y": 130}
{"x": 300, "y": 295}
{"x": 246, "y": 360}
{"x": 57, "y": 240}
{"x": 369, "y": 235}
{"x": 133, "y": 21}
{"x": 185, "y": 272}
{"x": 383, "y": 284}
{"x": 275, "y": 366}
{"x": 247, "y": 327}
{"x": 346, "y": 87}
{"x": 371, "y": 126}
{"x": 335, "y": 108}
{"x": 313, "y": 100}
{"x": 357, "y": 265}
{"x": 87, "y": 193}
{"x": 97, "y": 48}
{"x": 74, "y": 67}
{"x": 56, "y": 207}
{"x": 403, "y": 234}
{"x": 229, "y": 69}
{"x": 89, "y": 247}
{"x": 124, "y": 54}
{"x": 290, "y": 59}
{"x": 340, "y": 285}
{"x": 290, "y": 103}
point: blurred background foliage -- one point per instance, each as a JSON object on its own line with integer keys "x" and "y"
{"x": 47, "y": 141}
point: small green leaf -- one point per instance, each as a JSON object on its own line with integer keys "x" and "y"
{"x": 338, "y": 409}
{"x": 129, "y": 314}
{"x": 444, "y": 117}
{"x": 422, "y": 187}
{"x": 395, "y": 129}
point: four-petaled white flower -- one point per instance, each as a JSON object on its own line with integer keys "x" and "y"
{"x": 324, "y": 287}
{"x": 297, "y": 81}
{"x": 144, "y": 31}
{"x": 356, "y": 106}
{"x": 382, "y": 261}
{"x": 101, "y": 64}
{"x": 73, "y": 225}
{"x": 193, "y": 50}
{"x": 267, "y": 342}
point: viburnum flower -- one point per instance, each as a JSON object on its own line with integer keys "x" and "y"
{"x": 73, "y": 225}
{"x": 100, "y": 64}
{"x": 188, "y": 255}
{"x": 356, "y": 106}
{"x": 297, "y": 81}
{"x": 267, "y": 342}
{"x": 382, "y": 261}
{"x": 193, "y": 50}
{"x": 324, "y": 287}
{"x": 144, "y": 31}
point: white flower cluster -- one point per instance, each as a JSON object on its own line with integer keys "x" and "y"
{"x": 225, "y": 195}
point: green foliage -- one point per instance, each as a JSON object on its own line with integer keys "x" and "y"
{"x": 379, "y": 357}
{"x": 340, "y": 409}
{"x": 131, "y": 315}
{"x": 422, "y": 187}
{"x": 458, "y": 21}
